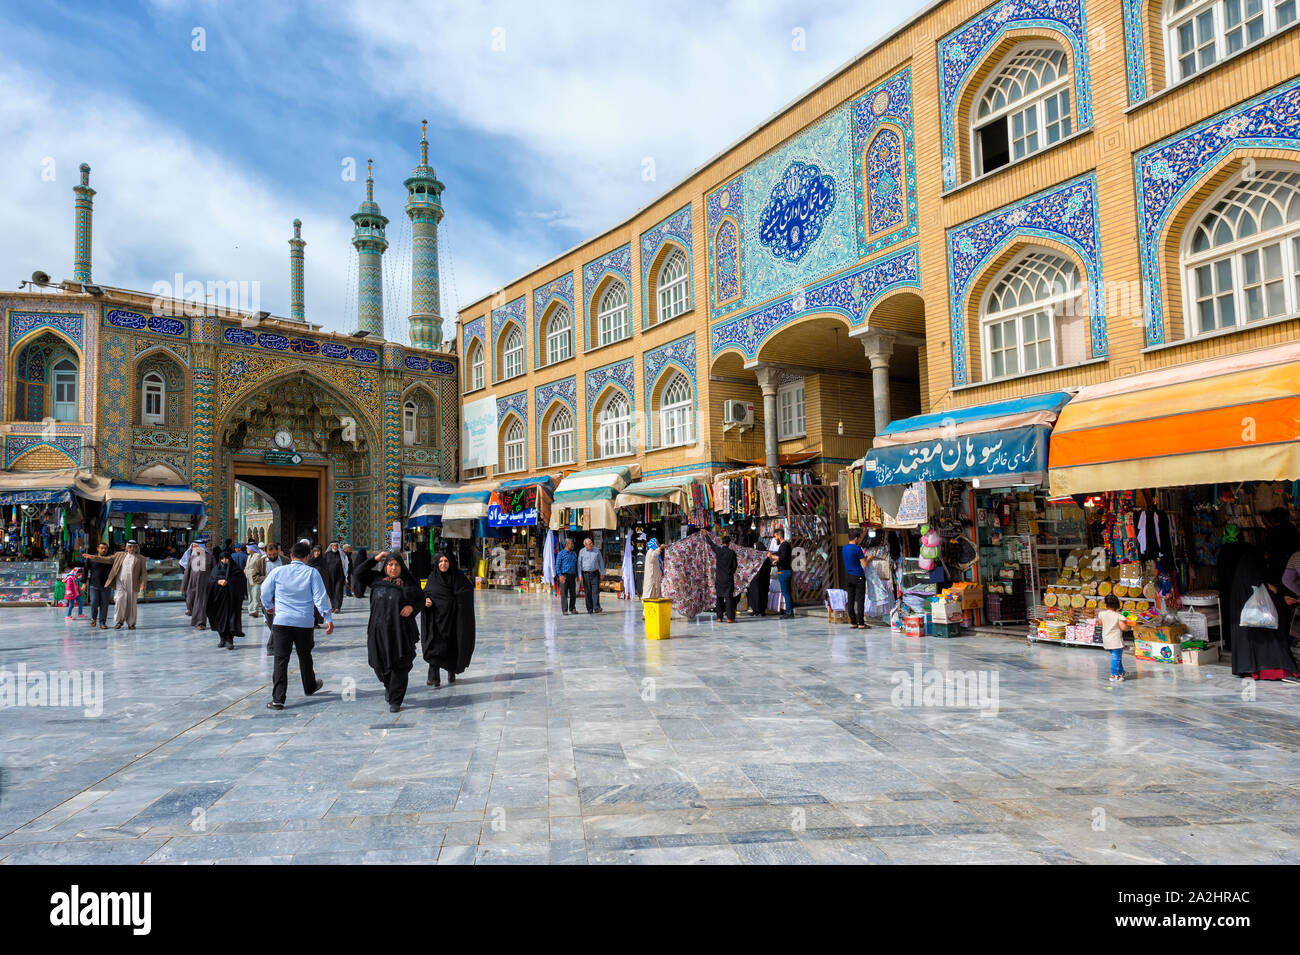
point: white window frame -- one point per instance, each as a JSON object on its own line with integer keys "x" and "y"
{"x": 516, "y": 450}
{"x": 153, "y": 387}
{"x": 672, "y": 292}
{"x": 409, "y": 426}
{"x": 512, "y": 354}
{"x": 559, "y": 335}
{"x": 1053, "y": 306}
{"x": 613, "y": 315}
{"x": 790, "y": 398}
{"x": 614, "y": 433}
{"x": 1270, "y": 13}
{"x": 676, "y": 412}
{"x": 560, "y": 438}
{"x": 1234, "y": 252}
{"x": 61, "y": 377}
{"x": 476, "y": 365}
{"x": 474, "y": 473}
{"x": 1037, "y": 100}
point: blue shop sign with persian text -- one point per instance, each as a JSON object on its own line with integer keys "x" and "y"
{"x": 524, "y": 518}
{"x": 1013, "y": 451}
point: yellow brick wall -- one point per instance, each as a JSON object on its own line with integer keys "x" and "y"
{"x": 1106, "y": 150}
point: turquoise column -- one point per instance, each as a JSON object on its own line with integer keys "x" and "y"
{"x": 424, "y": 208}
{"x": 85, "y": 208}
{"x": 296, "y": 305}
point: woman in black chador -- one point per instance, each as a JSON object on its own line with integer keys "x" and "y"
{"x": 227, "y": 591}
{"x": 447, "y": 624}
{"x": 1263, "y": 653}
{"x": 391, "y": 633}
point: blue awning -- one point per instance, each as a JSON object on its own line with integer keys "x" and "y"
{"x": 1050, "y": 403}
{"x": 127, "y": 498}
{"x": 46, "y": 495}
{"x": 545, "y": 482}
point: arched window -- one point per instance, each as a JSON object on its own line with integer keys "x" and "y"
{"x": 515, "y": 445}
{"x": 611, "y": 314}
{"x": 675, "y": 417}
{"x": 475, "y": 365}
{"x": 64, "y": 379}
{"x": 1199, "y": 33}
{"x": 512, "y": 353}
{"x": 1022, "y": 311}
{"x": 1024, "y": 107}
{"x": 560, "y": 438}
{"x": 559, "y": 335}
{"x": 408, "y": 422}
{"x": 672, "y": 286}
{"x": 1241, "y": 261}
{"x": 153, "y": 399}
{"x": 615, "y": 426}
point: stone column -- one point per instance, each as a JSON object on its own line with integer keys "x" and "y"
{"x": 879, "y": 347}
{"x": 769, "y": 380}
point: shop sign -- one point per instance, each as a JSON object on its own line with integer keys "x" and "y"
{"x": 1012, "y": 451}
{"x": 517, "y": 508}
{"x": 282, "y": 457}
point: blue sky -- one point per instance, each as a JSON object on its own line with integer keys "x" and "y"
{"x": 542, "y": 119}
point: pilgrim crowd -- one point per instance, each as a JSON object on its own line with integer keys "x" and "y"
{"x": 429, "y": 605}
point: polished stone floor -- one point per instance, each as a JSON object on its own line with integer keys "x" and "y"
{"x": 576, "y": 740}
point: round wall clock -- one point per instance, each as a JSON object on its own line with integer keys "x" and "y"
{"x": 283, "y": 439}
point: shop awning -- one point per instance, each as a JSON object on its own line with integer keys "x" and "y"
{"x": 427, "y": 502}
{"x": 523, "y": 502}
{"x": 998, "y": 440}
{"x": 467, "y": 504}
{"x": 1224, "y": 420}
{"x": 661, "y": 490}
{"x": 594, "y": 489}
{"x": 50, "y": 487}
{"x": 545, "y": 482}
{"x": 181, "y": 501}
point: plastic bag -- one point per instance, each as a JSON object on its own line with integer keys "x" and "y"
{"x": 1259, "y": 610}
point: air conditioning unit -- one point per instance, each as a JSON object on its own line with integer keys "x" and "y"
{"x": 737, "y": 414}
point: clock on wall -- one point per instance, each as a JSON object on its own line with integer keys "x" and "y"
{"x": 283, "y": 439}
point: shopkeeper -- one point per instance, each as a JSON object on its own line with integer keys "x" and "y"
{"x": 784, "y": 561}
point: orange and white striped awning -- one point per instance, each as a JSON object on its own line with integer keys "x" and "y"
{"x": 1209, "y": 422}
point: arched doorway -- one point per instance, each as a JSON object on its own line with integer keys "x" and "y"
{"x": 311, "y": 453}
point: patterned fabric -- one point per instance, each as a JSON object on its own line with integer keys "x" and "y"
{"x": 688, "y": 574}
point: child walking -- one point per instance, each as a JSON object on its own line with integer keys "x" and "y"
{"x": 71, "y": 593}
{"x": 1113, "y": 626}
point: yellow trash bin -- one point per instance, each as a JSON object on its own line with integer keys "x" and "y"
{"x": 657, "y": 612}
{"x": 483, "y": 568}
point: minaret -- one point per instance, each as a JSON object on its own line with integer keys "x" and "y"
{"x": 296, "y": 245}
{"x": 368, "y": 237}
{"x": 85, "y": 208}
{"x": 424, "y": 207}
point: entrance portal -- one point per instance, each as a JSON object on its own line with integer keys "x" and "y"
{"x": 299, "y": 495}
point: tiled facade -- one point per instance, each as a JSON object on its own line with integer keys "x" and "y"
{"x": 864, "y": 208}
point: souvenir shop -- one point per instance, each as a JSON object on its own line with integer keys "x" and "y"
{"x": 584, "y": 506}
{"x": 663, "y": 509}
{"x": 44, "y": 522}
{"x": 1132, "y": 458}
{"x": 518, "y": 515}
{"x": 970, "y": 482}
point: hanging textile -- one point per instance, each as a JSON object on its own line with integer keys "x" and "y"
{"x": 548, "y": 557}
{"x": 688, "y": 573}
{"x": 629, "y": 571}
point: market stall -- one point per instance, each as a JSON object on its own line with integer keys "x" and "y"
{"x": 42, "y": 528}
{"x": 520, "y": 509}
{"x": 162, "y": 520}
{"x": 661, "y": 508}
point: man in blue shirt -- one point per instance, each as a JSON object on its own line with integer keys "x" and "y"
{"x": 856, "y": 581}
{"x": 566, "y": 571}
{"x": 290, "y": 593}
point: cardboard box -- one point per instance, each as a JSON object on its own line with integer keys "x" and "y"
{"x": 972, "y": 596}
{"x": 1197, "y": 657}
{"x": 1157, "y": 651}
{"x": 1160, "y": 633}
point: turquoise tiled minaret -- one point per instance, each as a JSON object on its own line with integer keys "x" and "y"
{"x": 296, "y": 245}
{"x": 424, "y": 207}
{"x": 368, "y": 238}
{"x": 85, "y": 207}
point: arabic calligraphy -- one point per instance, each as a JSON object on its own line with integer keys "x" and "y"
{"x": 1014, "y": 451}
{"x": 793, "y": 219}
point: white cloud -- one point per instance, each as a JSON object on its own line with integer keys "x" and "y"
{"x": 164, "y": 204}
{"x": 588, "y": 93}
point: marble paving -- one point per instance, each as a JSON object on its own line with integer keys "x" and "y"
{"x": 575, "y": 740}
